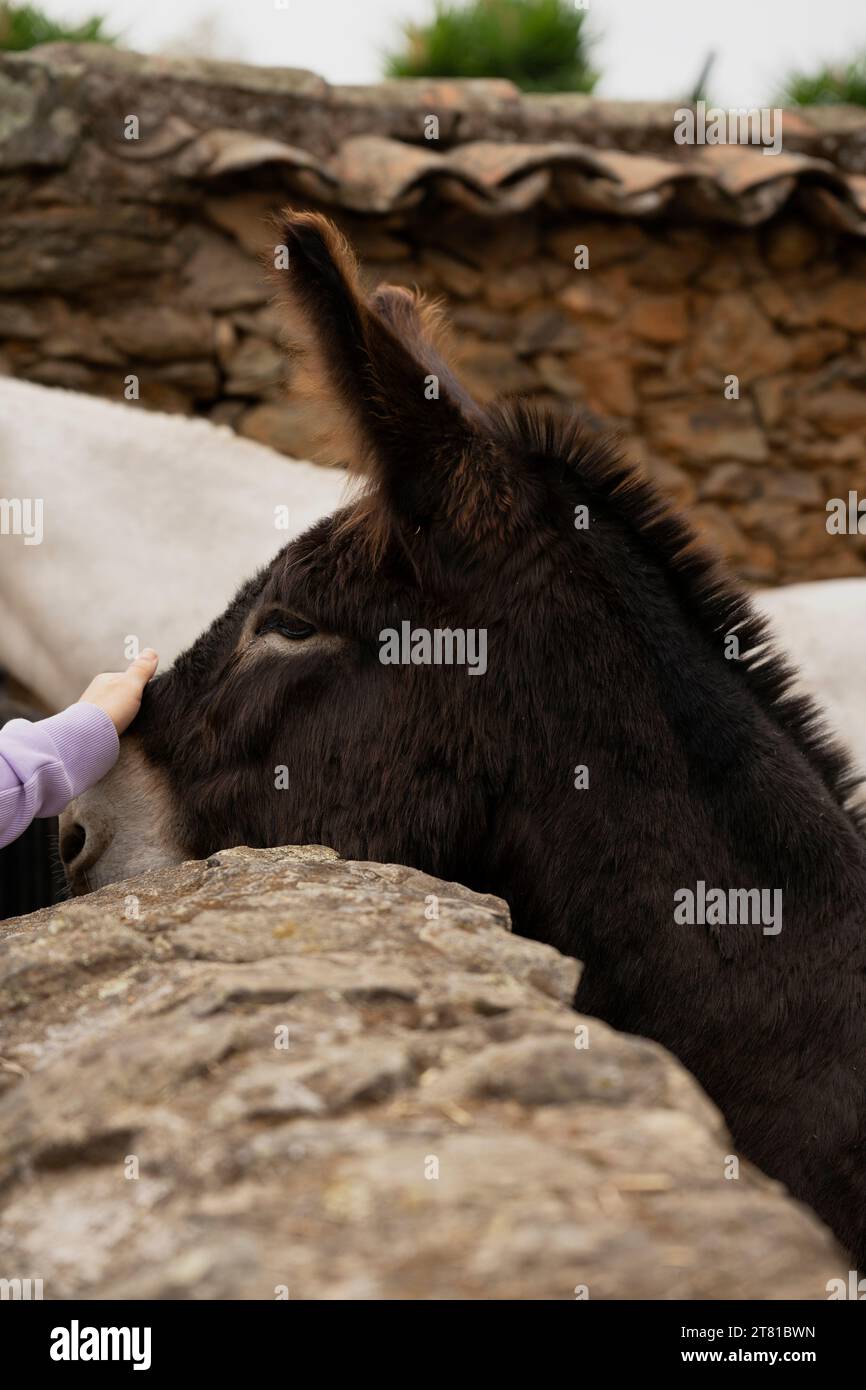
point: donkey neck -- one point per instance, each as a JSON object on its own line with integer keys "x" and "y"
{"x": 659, "y": 765}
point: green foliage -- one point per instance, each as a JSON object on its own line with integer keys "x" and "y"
{"x": 827, "y": 86}
{"x": 541, "y": 45}
{"x": 25, "y": 26}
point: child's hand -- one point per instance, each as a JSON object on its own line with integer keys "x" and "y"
{"x": 119, "y": 692}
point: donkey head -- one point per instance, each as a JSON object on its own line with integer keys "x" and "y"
{"x": 434, "y": 674}
{"x": 388, "y": 685}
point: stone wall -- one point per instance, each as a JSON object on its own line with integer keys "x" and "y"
{"x": 279, "y": 1074}
{"x": 144, "y": 258}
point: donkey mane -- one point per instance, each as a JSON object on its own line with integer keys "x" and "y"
{"x": 718, "y": 605}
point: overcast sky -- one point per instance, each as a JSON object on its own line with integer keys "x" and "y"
{"x": 647, "y": 48}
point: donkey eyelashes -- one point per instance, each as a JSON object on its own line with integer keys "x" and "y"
{"x": 289, "y": 625}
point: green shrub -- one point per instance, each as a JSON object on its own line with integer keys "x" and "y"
{"x": 828, "y": 85}
{"x": 24, "y": 26}
{"x": 541, "y": 45}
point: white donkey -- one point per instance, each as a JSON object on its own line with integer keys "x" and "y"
{"x": 149, "y": 524}
{"x": 822, "y": 627}
{"x": 141, "y": 525}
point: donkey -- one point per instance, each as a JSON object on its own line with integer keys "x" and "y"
{"x": 633, "y": 738}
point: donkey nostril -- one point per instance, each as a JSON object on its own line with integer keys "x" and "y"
{"x": 72, "y": 842}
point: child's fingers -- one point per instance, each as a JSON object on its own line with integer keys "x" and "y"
{"x": 143, "y": 667}
{"x": 119, "y": 693}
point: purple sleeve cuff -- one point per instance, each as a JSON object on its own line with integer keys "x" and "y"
{"x": 44, "y": 766}
{"x": 87, "y": 744}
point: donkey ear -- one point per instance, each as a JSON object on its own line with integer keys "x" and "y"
{"x": 404, "y": 420}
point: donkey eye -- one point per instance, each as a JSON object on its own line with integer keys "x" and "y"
{"x": 287, "y": 625}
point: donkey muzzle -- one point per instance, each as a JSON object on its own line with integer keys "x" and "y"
{"x": 120, "y": 827}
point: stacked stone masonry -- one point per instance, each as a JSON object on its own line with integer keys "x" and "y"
{"x": 730, "y": 359}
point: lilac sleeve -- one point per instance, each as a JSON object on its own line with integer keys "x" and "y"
{"x": 44, "y": 765}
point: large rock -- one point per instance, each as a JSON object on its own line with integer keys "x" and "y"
{"x": 277, "y": 1070}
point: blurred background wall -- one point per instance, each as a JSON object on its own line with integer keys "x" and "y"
{"x": 143, "y": 256}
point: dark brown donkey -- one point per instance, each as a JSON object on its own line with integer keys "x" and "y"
{"x": 611, "y": 646}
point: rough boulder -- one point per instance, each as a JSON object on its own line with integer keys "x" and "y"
{"x": 277, "y": 1073}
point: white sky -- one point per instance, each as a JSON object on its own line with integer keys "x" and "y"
{"x": 648, "y": 48}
